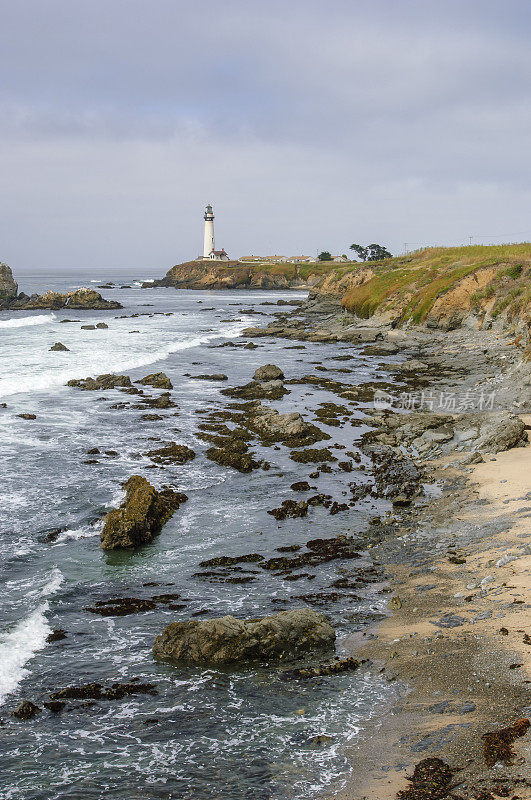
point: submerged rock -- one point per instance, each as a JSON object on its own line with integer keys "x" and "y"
{"x": 226, "y": 640}
{"x": 95, "y": 691}
{"x": 57, "y": 635}
{"x": 141, "y": 516}
{"x": 215, "y": 376}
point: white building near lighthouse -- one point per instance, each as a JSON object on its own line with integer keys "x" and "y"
{"x": 209, "y": 247}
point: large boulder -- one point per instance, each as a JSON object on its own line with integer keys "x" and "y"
{"x": 269, "y": 372}
{"x": 226, "y": 640}
{"x": 489, "y": 432}
{"x": 8, "y": 285}
{"x": 140, "y": 517}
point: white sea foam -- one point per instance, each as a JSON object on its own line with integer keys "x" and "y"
{"x": 103, "y": 361}
{"x": 19, "y": 645}
{"x": 23, "y": 322}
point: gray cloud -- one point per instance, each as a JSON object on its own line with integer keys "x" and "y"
{"x": 307, "y": 124}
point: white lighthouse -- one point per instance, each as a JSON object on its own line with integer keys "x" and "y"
{"x": 209, "y": 251}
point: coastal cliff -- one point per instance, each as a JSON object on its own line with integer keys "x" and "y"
{"x": 78, "y": 300}
{"x": 445, "y": 287}
{"x": 237, "y": 275}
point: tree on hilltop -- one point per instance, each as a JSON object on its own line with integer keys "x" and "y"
{"x": 373, "y": 252}
{"x": 324, "y": 256}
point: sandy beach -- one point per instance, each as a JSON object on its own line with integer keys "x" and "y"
{"x": 458, "y": 682}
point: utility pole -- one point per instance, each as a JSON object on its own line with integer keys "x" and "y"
{"x": 470, "y": 240}
{"x": 405, "y": 248}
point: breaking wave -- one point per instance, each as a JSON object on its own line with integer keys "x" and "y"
{"x": 58, "y": 377}
{"x": 25, "y": 639}
{"x": 39, "y": 319}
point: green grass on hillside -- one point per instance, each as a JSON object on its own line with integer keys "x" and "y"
{"x": 425, "y": 275}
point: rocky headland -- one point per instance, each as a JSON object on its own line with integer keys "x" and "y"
{"x": 77, "y": 300}
{"x": 238, "y": 275}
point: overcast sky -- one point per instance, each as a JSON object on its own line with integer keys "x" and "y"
{"x": 308, "y": 124}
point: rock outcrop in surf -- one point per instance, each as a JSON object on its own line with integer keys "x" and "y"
{"x": 225, "y": 640}
{"x": 77, "y": 300}
{"x": 141, "y": 516}
{"x": 8, "y": 285}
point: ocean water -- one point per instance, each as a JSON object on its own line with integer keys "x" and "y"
{"x": 224, "y": 734}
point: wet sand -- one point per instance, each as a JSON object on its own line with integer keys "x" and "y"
{"x": 457, "y": 682}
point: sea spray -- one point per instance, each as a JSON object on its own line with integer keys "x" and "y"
{"x": 19, "y": 645}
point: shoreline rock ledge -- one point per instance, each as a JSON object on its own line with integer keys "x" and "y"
{"x": 227, "y": 640}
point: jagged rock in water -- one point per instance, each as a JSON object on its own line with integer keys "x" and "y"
{"x": 106, "y": 381}
{"x": 312, "y": 455}
{"x": 290, "y": 508}
{"x": 171, "y": 453}
{"x": 141, "y": 516}
{"x": 257, "y": 390}
{"x": 159, "y": 380}
{"x": 230, "y": 457}
{"x": 95, "y": 691}
{"x": 26, "y": 710}
{"x": 226, "y": 640}
{"x": 290, "y": 428}
{"x": 8, "y": 285}
{"x": 59, "y": 346}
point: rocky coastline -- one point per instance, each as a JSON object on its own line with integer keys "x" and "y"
{"x": 446, "y": 452}
{"x": 457, "y": 564}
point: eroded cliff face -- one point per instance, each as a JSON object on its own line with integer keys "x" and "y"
{"x": 442, "y": 288}
{"x": 8, "y": 285}
{"x": 338, "y": 283}
{"x": 236, "y": 275}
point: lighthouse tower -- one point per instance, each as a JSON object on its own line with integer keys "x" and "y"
{"x": 208, "y": 242}
{"x": 208, "y": 246}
